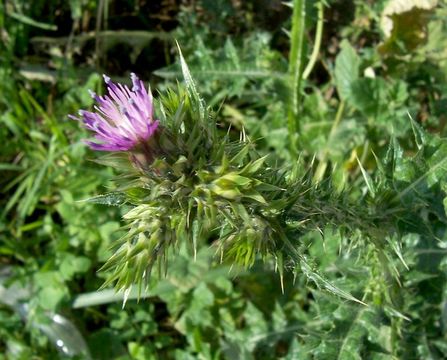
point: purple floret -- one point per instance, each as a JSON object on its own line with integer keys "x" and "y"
{"x": 123, "y": 118}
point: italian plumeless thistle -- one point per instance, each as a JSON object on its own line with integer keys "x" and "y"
{"x": 123, "y": 119}
{"x": 201, "y": 187}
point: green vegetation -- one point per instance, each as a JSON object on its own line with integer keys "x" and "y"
{"x": 298, "y": 210}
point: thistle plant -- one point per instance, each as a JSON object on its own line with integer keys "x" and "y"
{"x": 123, "y": 120}
{"x": 189, "y": 183}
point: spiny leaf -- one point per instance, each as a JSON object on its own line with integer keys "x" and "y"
{"x": 367, "y": 178}
{"x": 111, "y": 199}
{"x": 190, "y": 84}
{"x": 322, "y": 282}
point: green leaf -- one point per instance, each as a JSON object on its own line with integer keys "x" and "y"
{"x": 110, "y": 199}
{"x": 71, "y": 265}
{"x": 296, "y": 351}
{"x": 190, "y": 84}
{"x": 368, "y": 181}
{"x": 115, "y": 346}
{"x": 51, "y": 289}
{"x": 323, "y": 283}
{"x": 346, "y": 69}
{"x": 29, "y": 21}
{"x": 254, "y": 166}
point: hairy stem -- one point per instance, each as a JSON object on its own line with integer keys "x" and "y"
{"x": 295, "y": 72}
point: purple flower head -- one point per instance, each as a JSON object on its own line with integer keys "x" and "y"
{"x": 123, "y": 117}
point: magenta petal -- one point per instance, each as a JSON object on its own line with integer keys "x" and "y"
{"x": 105, "y": 147}
{"x": 123, "y": 118}
{"x": 152, "y": 127}
{"x": 72, "y": 117}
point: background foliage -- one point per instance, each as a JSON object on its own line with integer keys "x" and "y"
{"x": 380, "y": 64}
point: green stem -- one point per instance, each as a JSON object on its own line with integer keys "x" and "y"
{"x": 99, "y": 17}
{"x": 323, "y": 160}
{"x": 295, "y": 71}
{"x": 317, "y": 43}
{"x": 341, "y": 108}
